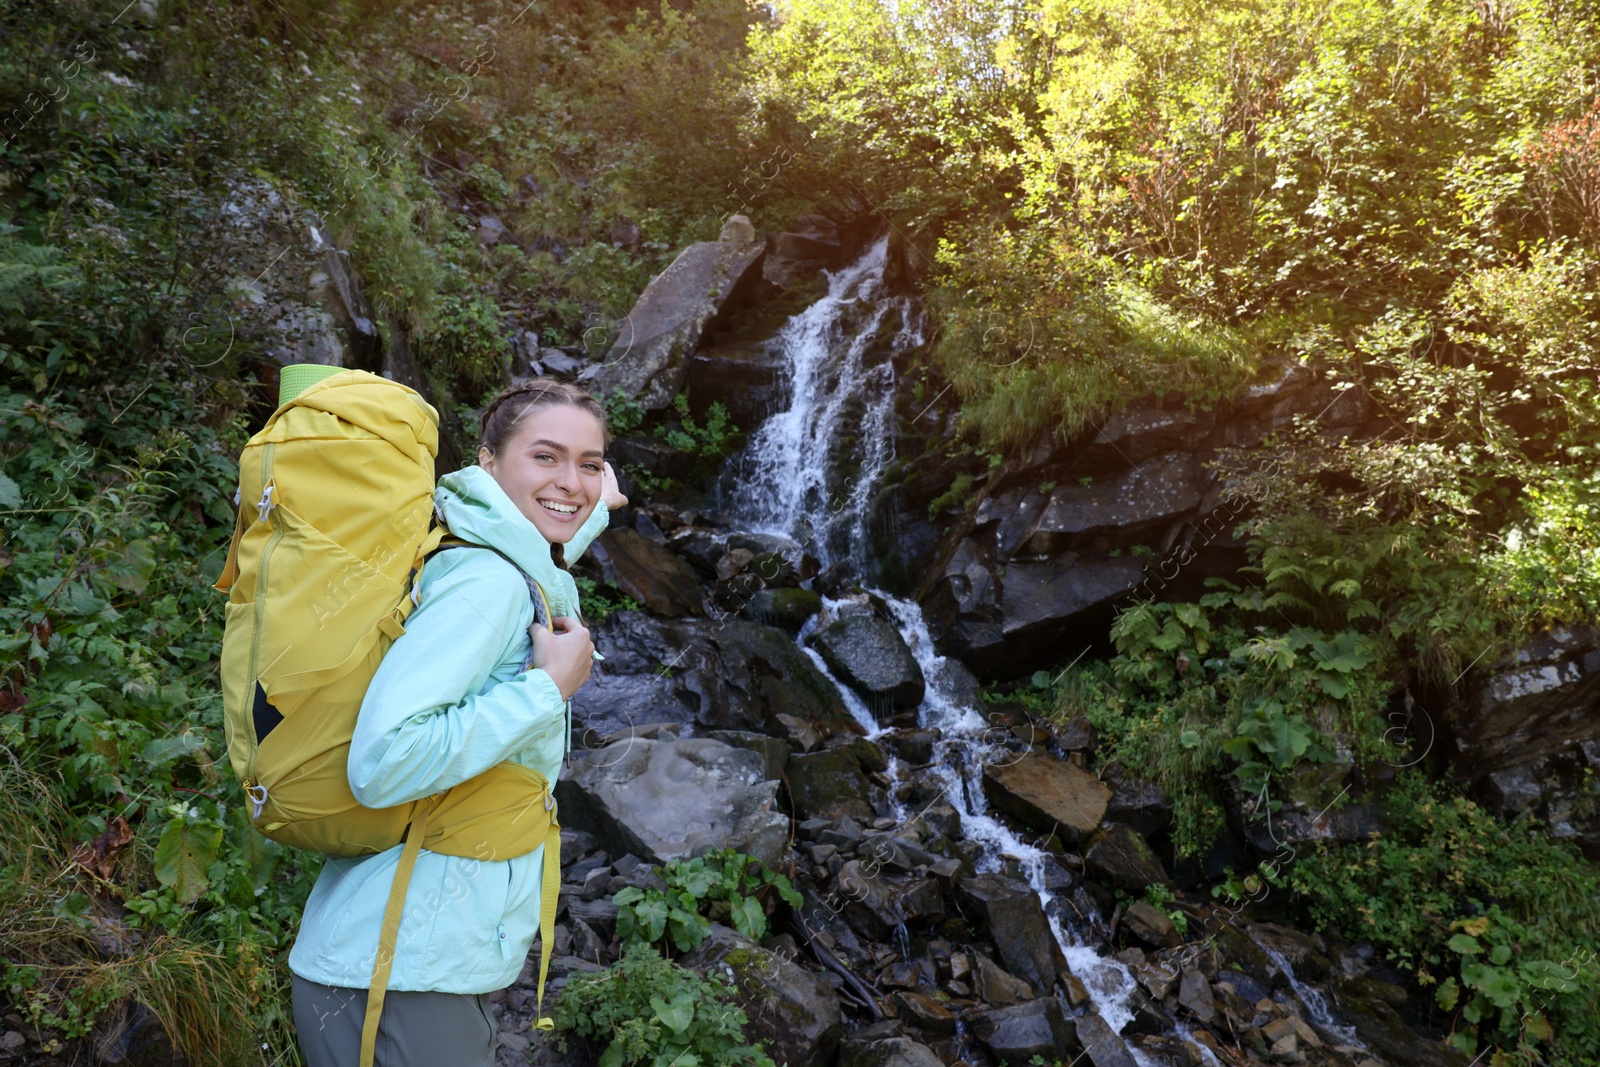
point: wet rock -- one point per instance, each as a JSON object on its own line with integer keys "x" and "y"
{"x": 1016, "y": 1034}
{"x": 774, "y": 750}
{"x": 700, "y": 546}
{"x": 1010, "y": 914}
{"x": 1150, "y": 925}
{"x": 1136, "y": 803}
{"x": 870, "y": 904}
{"x": 765, "y": 672}
{"x": 867, "y": 653}
{"x": 648, "y": 360}
{"x": 1047, "y": 794}
{"x": 828, "y": 784}
{"x": 886, "y": 1052}
{"x": 1122, "y": 858}
{"x": 925, "y": 1014}
{"x": 1194, "y": 993}
{"x": 788, "y": 608}
{"x": 912, "y": 746}
{"x": 664, "y": 800}
{"x": 1169, "y": 1051}
{"x": 746, "y": 379}
{"x": 793, "y": 1010}
{"x": 1101, "y": 1045}
{"x": 730, "y": 675}
{"x": 996, "y": 985}
{"x": 1305, "y": 953}
{"x": 1365, "y": 1004}
{"x": 648, "y": 573}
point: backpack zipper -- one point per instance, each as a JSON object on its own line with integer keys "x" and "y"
{"x": 260, "y": 604}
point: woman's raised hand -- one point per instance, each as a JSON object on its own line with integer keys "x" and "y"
{"x": 610, "y": 492}
{"x": 565, "y": 652}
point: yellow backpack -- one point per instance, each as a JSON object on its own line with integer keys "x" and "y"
{"x": 335, "y": 523}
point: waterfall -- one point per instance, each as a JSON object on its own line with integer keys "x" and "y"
{"x": 812, "y": 466}
{"x": 841, "y": 418}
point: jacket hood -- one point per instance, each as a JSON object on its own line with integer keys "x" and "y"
{"x": 476, "y": 509}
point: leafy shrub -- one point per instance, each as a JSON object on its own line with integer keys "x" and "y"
{"x": 1502, "y": 919}
{"x": 1200, "y": 691}
{"x": 653, "y": 1013}
{"x": 721, "y": 886}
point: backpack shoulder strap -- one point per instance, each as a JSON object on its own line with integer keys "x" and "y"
{"x": 541, "y": 604}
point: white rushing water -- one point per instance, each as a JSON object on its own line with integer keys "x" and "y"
{"x": 792, "y": 483}
{"x": 838, "y": 360}
{"x": 1316, "y": 1004}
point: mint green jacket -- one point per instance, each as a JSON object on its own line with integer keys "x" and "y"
{"x": 449, "y": 701}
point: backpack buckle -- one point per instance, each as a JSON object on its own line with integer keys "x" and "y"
{"x": 256, "y": 802}
{"x": 265, "y": 504}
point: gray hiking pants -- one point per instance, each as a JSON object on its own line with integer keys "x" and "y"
{"x": 415, "y": 1030}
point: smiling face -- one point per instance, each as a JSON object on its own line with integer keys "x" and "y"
{"x": 551, "y": 468}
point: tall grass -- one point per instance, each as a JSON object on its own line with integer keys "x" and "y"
{"x": 76, "y": 971}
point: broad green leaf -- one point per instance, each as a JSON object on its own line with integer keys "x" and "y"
{"x": 1547, "y": 974}
{"x": 183, "y": 853}
{"x": 652, "y": 915}
{"x": 676, "y": 1014}
{"x": 749, "y": 919}
{"x": 132, "y": 570}
{"x": 688, "y": 929}
{"x": 1464, "y": 944}
{"x": 696, "y": 881}
{"x": 164, "y": 750}
{"x": 1448, "y": 993}
{"x": 10, "y": 492}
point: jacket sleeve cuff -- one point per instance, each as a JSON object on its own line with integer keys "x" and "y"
{"x": 592, "y": 527}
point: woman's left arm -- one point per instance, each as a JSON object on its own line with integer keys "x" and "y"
{"x": 611, "y": 499}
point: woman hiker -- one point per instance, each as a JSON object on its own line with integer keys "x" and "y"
{"x": 449, "y": 700}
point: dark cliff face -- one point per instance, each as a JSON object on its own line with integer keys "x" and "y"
{"x": 1059, "y": 539}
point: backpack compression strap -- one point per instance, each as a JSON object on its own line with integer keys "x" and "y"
{"x": 390, "y": 931}
{"x": 389, "y": 934}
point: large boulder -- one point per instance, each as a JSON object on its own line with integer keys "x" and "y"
{"x": 792, "y": 1010}
{"x": 648, "y": 360}
{"x": 733, "y": 675}
{"x": 661, "y": 581}
{"x": 1054, "y": 593}
{"x": 1101, "y": 1045}
{"x": 1557, "y": 789}
{"x": 666, "y": 800}
{"x": 868, "y": 654}
{"x": 1010, "y": 913}
{"x": 1368, "y": 1006}
{"x": 886, "y": 1052}
{"x": 828, "y": 785}
{"x": 1015, "y": 1035}
{"x": 1542, "y": 701}
{"x": 1049, "y": 795}
{"x": 1120, "y": 857}
{"x": 1128, "y": 502}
